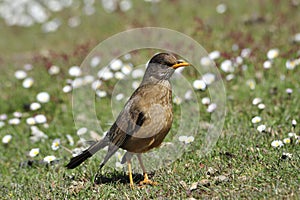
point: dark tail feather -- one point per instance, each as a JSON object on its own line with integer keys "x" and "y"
{"x": 77, "y": 160}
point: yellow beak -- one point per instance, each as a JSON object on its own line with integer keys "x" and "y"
{"x": 180, "y": 64}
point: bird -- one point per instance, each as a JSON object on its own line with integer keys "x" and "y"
{"x": 145, "y": 120}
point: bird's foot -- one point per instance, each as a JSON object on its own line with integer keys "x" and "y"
{"x": 147, "y": 181}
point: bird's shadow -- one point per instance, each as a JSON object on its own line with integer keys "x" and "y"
{"x": 118, "y": 177}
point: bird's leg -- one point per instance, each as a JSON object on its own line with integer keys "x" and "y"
{"x": 146, "y": 180}
{"x": 130, "y": 174}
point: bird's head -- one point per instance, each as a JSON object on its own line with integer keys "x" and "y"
{"x": 161, "y": 67}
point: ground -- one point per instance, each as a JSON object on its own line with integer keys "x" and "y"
{"x": 247, "y": 161}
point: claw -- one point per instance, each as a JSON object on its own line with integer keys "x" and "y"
{"x": 147, "y": 181}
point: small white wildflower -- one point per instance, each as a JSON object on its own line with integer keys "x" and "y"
{"x": 256, "y": 101}
{"x": 20, "y": 74}
{"x": 55, "y": 144}
{"x": 199, "y": 85}
{"x": 135, "y": 84}
{"x": 17, "y": 114}
{"x": 229, "y": 77}
{"x": 211, "y": 108}
{"x": 75, "y": 71}
{"x": 289, "y": 90}
{"x": 251, "y": 83}
{"x": 30, "y": 121}
{"x": 120, "y": 96}
{"x": 43, "y": 97}
{"x": 227, "y": 66}
{"x": 3, "y": 117}
{"x": 35, "y": 106}
{"x": 49, "y": 159}
{"x": 2, "y": 124}
{"x": 116, "y": 64}
{"x": 208, "y": 78}
{"x": 95, "y": 61}
{"x": 188, "y": 95}
{"x": 28, "y": 82}
{"x": 273, "y": 53}
{"x": 67, "y": 89}
{"x": 277, "y": 144}
{"x": 245, "y": 53}
{"x": 70, "y": 139}
{"x": 206, "y": 61}
{"x": 34, "y": 152}
{"x": 6, "y": 139}
{"x": 267, "y": 64}
{"x": 294, "y": 122}
{"x": 205, "y": 100}
{"x": 53, "y": 70}
{"x": 239, "y": 60}
{"x": 287, "y": 140}
{"x": 101, "y": 93}
{"x": 40, "y": 119}
{"x": 119, "y": 75}
{"x": 261, "y": 106}
{"x": 261, "y": 128}
{"x": 214, "y": 55}
{"x": 177, "y": 100}
{"x": 292, "y": 135}
{"x": 82, "y": 131}
{"x": 256, "y": 119}
{"x": 14, "y": 121}
{"x": 290, "y": 64}
{"x": 137, "y": 73}
{"x": 221, "y": 8}
{"x": 105, "y": 74}
{"x": 77, "y": 82}
{"x": 126, "y": 69}
{"x": 28, "y": 67}
{"x": 96, "y": 84}
{"x": 186, "y": 139}
{"x": 287, "y": 155}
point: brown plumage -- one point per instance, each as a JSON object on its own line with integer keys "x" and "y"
{"x": 145, "y": 119}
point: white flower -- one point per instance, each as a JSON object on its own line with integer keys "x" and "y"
{"x": 55, "y": 144}
{"x": 287, "y": 140}
{"x": 2, "y": 124}
{"x": 251, "y": 83}
{"x": 211, "y": 108}
{"x": 289, "y": 90}
{"x": 43, "y": 97}
{"x": 277, "y": 144}
{"x": 296, "y": 37}
{"x": 137, "y": 73}
{"x": 294, "y": 122}
{"x": 75, "y": 71}
{"x": 245, "y": 53}
{"x": 105, "y": 74}
{"x": 17, "y": 114}
{"x": 239, "y": 60}
{"x": 188, "y": 95}
{"x": 6, "y": 139}
{"x": 125, "y": 5}
{"x": 261, "y": 106}
{"x": 256, "y": 119}
{"x": 30, "y": 121}
{"x": 14, "y": 121}
{"x": 35, "y": 106}
{"x": 227, "y": 66}
{"x": 290, "y": 64}
{"x": 256, "y": 101}
{"x": 67, "y": 89}
{"x": 119, "y": 75}
{"x": 3, "y": 117}
{"x": 53, "y": 70}
{"x": 28, "y": 82}
{"x": 96, "y": 84}
{"x": 273, "y": 53}
{"x": 177, "y": 100}
{"x": 208, "y": 78}
{"x": 36, "y": 134}
{"x": 221, "y": 8}
{"x": 205, "y": 100}
{"x": 292, "y": 135}
{"x": 267, "y": 64}
{"x": 95, "y": 61}
{"x": 186, "y": 139}
{"x": 206, "y": 61}
{"x": 88, "y": 79}
{"x": 40, "y": 119}
{"x": 214, "y": 55}
{"x": 127, "y": 56}
{"x": 229, "y": 77}
{"x": 20, "y": 74}
{"x": 120, "y": 96}
{"x": 49, "y": 159}
{"x": 116, "y": 64}
{"x": 70, "y": 139}
{"x": 199, "y": 85}
{"x": 82, "y": 131}
{"x": 126, "y": 69}
{"x": 101, "y": 93}
{"x": 135, "y": 84}
{"x": 261, "y": 128}
{"x": 34, "y": 152}
{"x": 28, "y": 67}
{"x": 77, "y": 82}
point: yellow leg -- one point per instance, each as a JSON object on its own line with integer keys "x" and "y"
{"x": 146, "y": 180}
{"x": 130, "y": 174}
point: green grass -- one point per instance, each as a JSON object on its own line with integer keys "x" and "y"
{"x": 252, "y": 167}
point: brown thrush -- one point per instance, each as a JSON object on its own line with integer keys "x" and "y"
{"x": 145, "y": 119}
